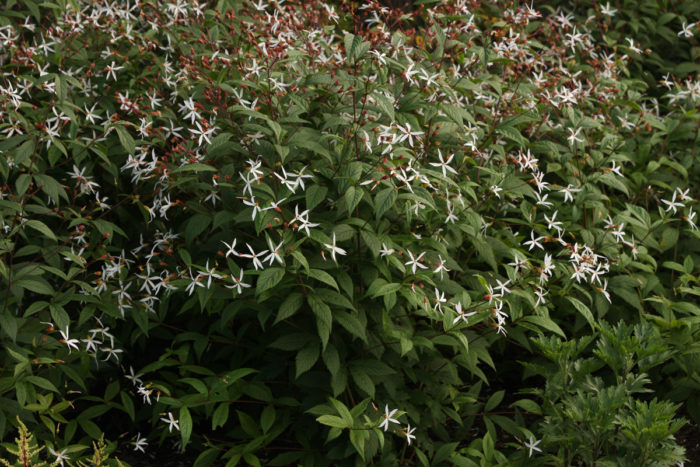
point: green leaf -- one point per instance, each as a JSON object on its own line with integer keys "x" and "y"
{"x": 35, "y": 284}
{"x": 250, "y": 427}
{"x": 196, "y": 167}
{"x": 42, "y": 383}
{"x": 352, "y": 198}
{"x": 332, "y": 420}
{"x": 487, "y": 446}
{"x": 126, "y": 140}
{"x": 128, "y": 405}
{"x": 363, "y": 381}
{"x": 220, "y": 415}
{"x": 314, "y": 195}
{"x": 342, "y": 410}
{"x": 306, "y": 358}
{"x": 269, "y": 278}
{"x": 35, "y": 308}
{"x": 185, "y": 425}
{"x": 41, "y": 227}
{"x": 289, "y": 306}
{"x": 545, "y": 323}
{"x": 267, "y": 418}
{"x": 23, "y": 152}
{"x": 8, "y": 324}
{"x": 528, "y": 405}
{"x": 384, "y": 289}
{"x": 50, "y": 186}
{"x": 207, "y": 458}
{"x": 22, "y": 184}
{"x": 331, "y": 359}
{"x": 494, "y": 400}
{"x": 324, "y": 317}
{"x": 583, "y": 309}
{"x": 350, "y": 323}
{"x": 384, "y": 200}
{"x": 351, "y": 43}
{"x": 324, "y": 277}
{"x": 357, "y": 438}
{"x": 196, "y": 225}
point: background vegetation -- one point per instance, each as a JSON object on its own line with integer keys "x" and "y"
{"x": 307, "y": 233}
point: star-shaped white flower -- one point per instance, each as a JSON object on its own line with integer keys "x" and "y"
{"x": 532, "y": 446}
{"x": 334, "y": 249}
{"x": 171, "y": 422}
{"x": 415, "y": 262}
{"x": 387, "y": 418}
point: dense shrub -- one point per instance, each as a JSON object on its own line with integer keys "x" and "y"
{"x": 303, "y": 233}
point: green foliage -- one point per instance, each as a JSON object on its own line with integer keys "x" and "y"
{"x": 286, "y": 233}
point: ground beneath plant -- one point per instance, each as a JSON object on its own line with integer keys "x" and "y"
{"x": 689, "y": 438}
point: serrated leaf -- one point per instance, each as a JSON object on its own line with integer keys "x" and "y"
{"x": 384, "y": 289}
{"x": 50, "y": 186}
{"x": 289, "y": 306}
{"x": 41, "y": 227}
{"x": 42, "y": 383}
{"x": 545, "y": 323}
{"x": 528, "y": 405}
{"x": 128, "y": 405}
{"x": 353, "y": 196}
{"x": 22, "y": 183}
{"x": 324, "y": 277}
{"x": 350, "y": 323}
{"x": 494, "y": 400}
{"x": 362, "y": 380}
{"x": 324, "y": 317}
{"x": 196, "y": 225}
{"x": 220, "y": 415}
{"x": 126, "y": 140}
{"x": 185, "y": 419}
{"x": 196, "y": 167}
{"x": 23, "y": 152}
{"x": 315, "y": 195}
{"x": 269, "y": 278}
{"x": 306, "y": 358}
{"x": 358, "y": 440}
{"x": 583, "y": 309}
{"x": 35, "y": 284}
{"x": 332, "y": 420}
{"x": 331, "y": 359}
{"x": 384, "y": 200}
{"x": 267, "y": 418}
{"x": 8, "y": 324}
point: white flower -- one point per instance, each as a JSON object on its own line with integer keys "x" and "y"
{"x": 238, "y": 283}
{"x": 607, "y": 10}
{"x": 444, "y": 164}
{"x": 567, "y": 192}
{"x": 532, "y": 446}
{"x": 409, "y": 433}
{"x": 461, "y": 314}
{"x": 334, "y": 249}
{"x": 231, "y": 250}
{"x": 274, "y": 254}
{"x": 414, "y": 262}
{"x": 386, "y": 251}
{"x": 534, "y": 242}
{"x": 387, "y": 418}
{"x": 71, "y": 343}
{"x": 60, "y": 456}
{"x": 140, "y": 444}
{"x": 171, "y": 422}
{"x": 673, "y": 204}
{"x": 254, "y": 256}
